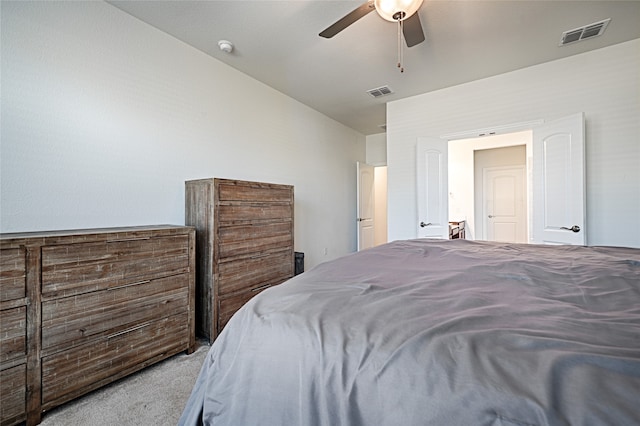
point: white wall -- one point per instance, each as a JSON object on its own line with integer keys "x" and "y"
{"x": 377, "y": 149}
{"x": 603, "y": 84}
{"x": 105, "y": 117}
{"x": 380, "y": 205}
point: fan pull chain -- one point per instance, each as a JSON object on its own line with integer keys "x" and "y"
{"x": 400, "y": 46}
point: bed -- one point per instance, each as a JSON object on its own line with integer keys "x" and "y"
{"x": 435, "y": 332}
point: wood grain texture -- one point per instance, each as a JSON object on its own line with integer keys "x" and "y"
{"x": 245, "y": 244}
{"x": 228, "y": 305}
{"x": 94, "y": 306}
{"x": 251, "y": 272}
{"x": 229, "y": 214}
{"x": 13, "y": 395}
{"x": 72, "y": 321}
{"x": 78, "y": 268}
{"x": 199, "y": 203}
{"x": 12, "y": 273}
{"x": 253, "y": 238}
{"x": 253, "y": 192}
{"x": 69, "y": 374}
{"x": 13, "y": 333}
{"x": 34, "y": 317}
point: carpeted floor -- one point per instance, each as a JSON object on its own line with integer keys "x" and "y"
{"x": 154, "y": 396}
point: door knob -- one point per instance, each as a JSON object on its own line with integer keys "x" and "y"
{"x": 423, "y": 225}
{"x": 574, "y": 228}
{"x": 490, "y": 216}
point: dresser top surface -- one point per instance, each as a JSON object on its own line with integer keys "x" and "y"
{"x": 90, "y": 231}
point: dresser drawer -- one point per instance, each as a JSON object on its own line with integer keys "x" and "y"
{"x": 254, "y": 192}
{"x": 13, "y": 394}
{"x": 232, "y": 213}
{"x": 12, "y": 274}
{"x": 249, "y": 273}
{"x": 228, "y": 305}
{"x": 74, "y": 372}
{"x": 241, "y": 240}
{"x": 78, "y": 268}
{"x": 75, "y": 320}
{"x": 13, "y": 333}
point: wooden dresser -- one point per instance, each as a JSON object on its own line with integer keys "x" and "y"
{"x": 244, "y": 244}
{"x": 15, "y": 295}
{"x": 81, "y": 309}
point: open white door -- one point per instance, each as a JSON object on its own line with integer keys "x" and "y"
{"x": 433, "y": 202}
{"x": 559, "y": 182}
{"x": 366, "y": 200}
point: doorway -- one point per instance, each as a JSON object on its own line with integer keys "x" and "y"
{"x": 371, "y": 205}
{"x": 555, "y": 182}
{"x": 471, "y": 162}
{"x": 501, "y": 194}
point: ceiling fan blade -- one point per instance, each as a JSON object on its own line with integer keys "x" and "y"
{"x": 348, "y": 19}
{"x": 412, "y": 30}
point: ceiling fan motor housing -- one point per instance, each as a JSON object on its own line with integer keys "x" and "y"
{"x": 402, "y": 12}
{"x": 397, "y": 10}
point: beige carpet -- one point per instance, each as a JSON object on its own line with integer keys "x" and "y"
{"x": 154, "y": 396}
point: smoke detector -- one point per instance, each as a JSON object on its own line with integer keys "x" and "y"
{"x": 226, "y": 46}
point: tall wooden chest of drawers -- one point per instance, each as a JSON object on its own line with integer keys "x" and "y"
{"x": 244, "y": 244}
{"x": 81, "y": 309}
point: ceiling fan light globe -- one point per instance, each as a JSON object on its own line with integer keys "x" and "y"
{"x": 388, "y": 8}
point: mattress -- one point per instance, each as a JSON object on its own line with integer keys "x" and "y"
{"x": 435, "y": 332}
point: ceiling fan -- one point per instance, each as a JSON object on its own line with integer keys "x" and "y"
{"x": 401, "y": 11}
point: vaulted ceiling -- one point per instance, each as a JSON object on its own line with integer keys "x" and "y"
{"x": 277, "y": 42}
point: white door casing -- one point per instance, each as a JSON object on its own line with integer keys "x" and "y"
{"x": 504, "y": 212}
{"x": 432, "y": 187}
{"x": 559, "y": 182}
{"x": 365, "y": 205}
{"x": 558, "y": 201}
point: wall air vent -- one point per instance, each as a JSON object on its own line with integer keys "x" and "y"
{"x": 583, "y": 33}
{"x": 380, "y": 91}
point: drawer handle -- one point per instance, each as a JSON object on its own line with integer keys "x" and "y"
{"x": 262, "y": 287}
{"x": 128, "y": 330}
{"x": 129, "y": 285}
{"x": 129, "y": 239}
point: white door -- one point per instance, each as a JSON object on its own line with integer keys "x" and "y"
{"x": 504, "y": 213}
{"x": 433, "y": 203}
{"x": 559, "y": 182}
{"x": 366, "y": 200}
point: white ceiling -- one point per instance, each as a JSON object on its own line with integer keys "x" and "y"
{"x": 277, "y": 42}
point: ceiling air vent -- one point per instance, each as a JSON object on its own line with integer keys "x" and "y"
{"x": 380, "y": 91}
{"x": 583, "y": 33}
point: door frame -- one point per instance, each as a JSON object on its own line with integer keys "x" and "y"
{"x": 467, "y": 179}
{"x": 439, "y": 146}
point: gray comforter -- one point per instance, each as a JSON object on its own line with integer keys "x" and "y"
{"x": 426, "y": 332}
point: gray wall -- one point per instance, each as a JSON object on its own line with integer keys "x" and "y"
{"x": 105, "y": 117}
